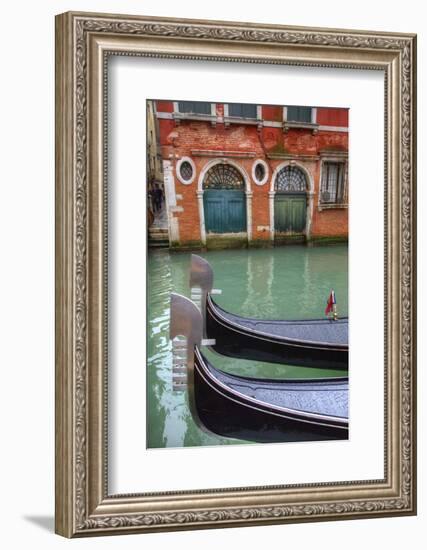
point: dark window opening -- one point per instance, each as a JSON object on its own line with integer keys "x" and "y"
{"x": 194, "y": 107}
{"x": 242, "y": 110}
{"x": 259, "y": 172}
{"x": 299, "y": 114}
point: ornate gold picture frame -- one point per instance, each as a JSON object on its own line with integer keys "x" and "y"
{"x": 84, "y": 43}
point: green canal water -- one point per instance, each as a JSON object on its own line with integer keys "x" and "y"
{"x": 289, "y": 282}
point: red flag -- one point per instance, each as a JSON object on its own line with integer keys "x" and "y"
{"x": 330, "y": 303}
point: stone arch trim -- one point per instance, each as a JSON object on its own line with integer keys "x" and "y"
{"x": 310, "y": 194}
{"x": 200, "y": 191}
{"x": 304, "y": 169}
{"x": 216, "y": 161}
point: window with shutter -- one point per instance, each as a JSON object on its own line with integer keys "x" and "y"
{"x": 194, "y": 107}
{"x": 299, "y": 114}
{"x": 242, "y": 110}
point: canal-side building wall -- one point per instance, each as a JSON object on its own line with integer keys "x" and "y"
{"x": 253, "y": 175}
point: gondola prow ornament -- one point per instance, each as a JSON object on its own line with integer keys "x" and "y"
{"x": 186, "y": 331}
{"x": 201, "y": 283}
{"x": 331, "y": 305}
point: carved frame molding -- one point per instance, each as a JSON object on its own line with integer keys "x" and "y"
{"x": 83, "y": 43}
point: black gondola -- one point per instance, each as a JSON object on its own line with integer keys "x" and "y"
{"x": 319, "y": 343}
{"x": 253, "y": 409}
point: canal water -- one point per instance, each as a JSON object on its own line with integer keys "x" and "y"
{"x": 289, "y": 282}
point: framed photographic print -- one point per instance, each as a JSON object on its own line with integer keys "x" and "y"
{"x": 235, "y": 276}
{"x": 271, "y": 180}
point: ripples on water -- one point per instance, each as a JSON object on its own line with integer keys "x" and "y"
{"x": 279, "y": 283}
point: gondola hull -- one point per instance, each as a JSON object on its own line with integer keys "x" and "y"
{"x": 268, "y": 411}
{"x": 316, "y": 343}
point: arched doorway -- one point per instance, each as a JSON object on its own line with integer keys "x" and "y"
{"x": 224, "y": 200}
{"x": 290, "y": 201}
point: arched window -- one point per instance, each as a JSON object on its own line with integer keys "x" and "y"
{"x": 223, "y": 176}
{"x": 291, "y": 179}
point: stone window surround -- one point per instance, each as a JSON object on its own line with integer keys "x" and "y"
{"x": 313, "y": 126}
{"x": 266, "y": 174}
{"x": 337, "y": 157}
{"x": 213, "y": 118}
{"x": 178, "y": 116}
{"x": 313, "y": 114}
{"x": 228, "y": 119}
{"x": 178, "y": 170}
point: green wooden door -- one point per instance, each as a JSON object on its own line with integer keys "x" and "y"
{"x": 225, "y": 210}
{"x": 290, "y": 213}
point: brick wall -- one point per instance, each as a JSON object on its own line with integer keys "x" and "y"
{"x": 242, "y": 145}
{"x": 189, "y": 219}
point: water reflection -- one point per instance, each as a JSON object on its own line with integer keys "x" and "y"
{"x": 279, "y": 283}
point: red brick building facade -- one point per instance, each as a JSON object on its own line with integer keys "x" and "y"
{"x": 253, "y": 175}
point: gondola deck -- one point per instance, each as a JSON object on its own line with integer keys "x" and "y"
{"x": 263, "y": 410}
{"x": 318, "y": 343}
{"x": 308, "y": 395}
{"x": 312, "y": 331}
{"x": 300, "y": 347}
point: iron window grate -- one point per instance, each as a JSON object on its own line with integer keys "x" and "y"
{"x": 186, "y": 171}
{"x": 332, "y": 186}
{"x": 291, "y": 179}
{"x": 223, "y": 176}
